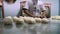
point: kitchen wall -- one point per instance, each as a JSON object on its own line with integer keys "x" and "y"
{"x": 54, "y": 7}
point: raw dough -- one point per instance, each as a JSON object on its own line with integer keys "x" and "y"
{"x": 45, "y": 20}
{"x": 7, "y": 20}
{"x": 21, "y": 20}
{"x": 38, "y": 20}
{"x": 15, "y": 19}
{"x": 29, "y": 20}
{"x": 55, "y": 17}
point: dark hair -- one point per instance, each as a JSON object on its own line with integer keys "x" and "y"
{"x": 9, "y": 1}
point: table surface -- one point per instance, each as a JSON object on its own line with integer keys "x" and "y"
{"x": 51, "y": 28}
{"x": 0, "y": 26}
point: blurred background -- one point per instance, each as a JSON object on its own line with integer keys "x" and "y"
{"x": 54, "y": 7}
{"x": 54, "y": 26}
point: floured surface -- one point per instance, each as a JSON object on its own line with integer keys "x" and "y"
{"x": 51, "y": 28}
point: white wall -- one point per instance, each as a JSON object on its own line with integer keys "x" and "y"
{"x": 54, "y": 6}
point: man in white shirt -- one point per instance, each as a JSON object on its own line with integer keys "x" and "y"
{"x": 23, "y": 7}
{"x": 35, "y": 8}
{"x": 11, "y": 7}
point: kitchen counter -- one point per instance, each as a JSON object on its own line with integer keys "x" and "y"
{"x": 53, "y": 27}
{"x": 0, "y": 26}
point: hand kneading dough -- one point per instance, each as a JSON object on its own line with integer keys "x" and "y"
{"x": 7, "y": 20}
{"x": 38, "y": 20}
{"x": 45, "y": 20}
{"x": 29, "y": 20}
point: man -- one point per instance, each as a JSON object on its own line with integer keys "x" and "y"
{"x": 35, "y": 8}
{"x": 23, "y": 6}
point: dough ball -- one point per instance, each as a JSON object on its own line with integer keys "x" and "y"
{"x": 15, "y": 19}
{"x": 45, "y": 20}
{"x": 21, "y": 20}
{"x": 7, "y": 20}
{"x": 33, "y": 20}
{"x": 18, "y": 20}
{"x": 38, "y": 20}
{"x": 20, "y": 16}
{"x": 26, "y": 19}
{"x": 55, "y": 17}
{"x": 29, "y": 20}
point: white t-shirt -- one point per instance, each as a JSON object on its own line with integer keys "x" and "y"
{"x": 26, "y": 5}
{"x": 11, "y": 9}
{"x": 40, "y": 4}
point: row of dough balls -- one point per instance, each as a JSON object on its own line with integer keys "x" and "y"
{"x": 30, "y": 20}
{"x": 55, "y": 17}
{"x": 21, "y": 19}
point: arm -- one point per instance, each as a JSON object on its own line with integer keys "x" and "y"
{"x": 44, "y": 11}
{"x": 40, "y": 7}
{"x": 25, "y": 8}
{"x": 43, "y": 14}
{"x": 27, "y": 12}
